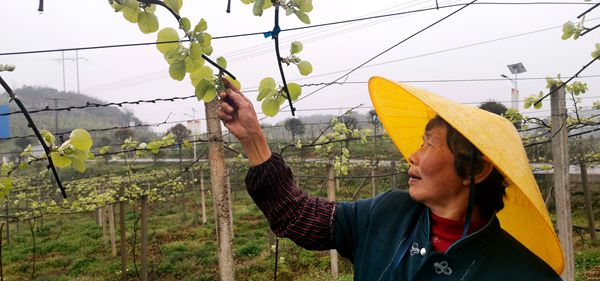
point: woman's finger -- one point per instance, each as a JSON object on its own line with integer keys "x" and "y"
{"x": 224, "y": 116}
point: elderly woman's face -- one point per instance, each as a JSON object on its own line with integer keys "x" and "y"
{"x": 433, "y": 180}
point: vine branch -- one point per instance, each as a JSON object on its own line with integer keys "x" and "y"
{"x": 31, "y": 124}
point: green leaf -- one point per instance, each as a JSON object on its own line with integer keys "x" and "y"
{"x": 150, "y": 8}
{"x": 177, "y": 70}
{"x": 266, "y": 94}
{"x": 175, "y": 5}
{"x": 257, "y": 10}
{"x": 147, "y": 22}
{"x": 192, "y": 65}
{"x": 222, "y": 62}
{"x": 78, "y": 164}
{"x": 207, "y": 50}
{"x": 131, "y": 15}
{"x": 247, "y": 2}
{"x": 568, "y": 30}
{"x": 537, "y": 105}
{"x": 132, "y": 4}
{"x": 296, "y": 47}
{"x": 267, "y": 4}
{"x": 527, "y": 103}
{"x": 6, "y": 183}
{"x": 266, "y": 83}
{"x": 59, "y": 160}
{"x": 175, "y": 54}
{"x": 295, "y": 90}
{"x": 596, "y": 53}
{"x": 48, "y": 137}
{"x": 305, "y": 67}
{"x": 211, "y": 94}
{"x": 196, "y": 53}
{"x": 280, "y": 99}
{"x": 302, "y": 17}
{"x": 203, "y": 72}
{"x": 81, "y": 139}
{"x": 118, "y": 7}
{"x": 236, "y": 83}
{"x": 201, "y": 26}
{"x": 270, "y": 107}
{"x": 204, "y": 90}
{"x": 185, "y": 24}
{"x": 304, "y": 6}
{"x": 206, "y": 43}
{"x": 166, "y": 35}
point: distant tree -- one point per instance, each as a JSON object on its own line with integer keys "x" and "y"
{"x": 103, "y": 141}
{"x": 180, "y": 132}
{"x": 123, "y": 134}
{"x": 374, "y": 120}
{"x": 350, "y": 121}
{"x": 295, "y": 127}
{"x": 494, "y": 107}
{"x": 500, "y": 109}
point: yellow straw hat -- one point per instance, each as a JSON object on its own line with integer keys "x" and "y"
{"x": 404, "y": 111}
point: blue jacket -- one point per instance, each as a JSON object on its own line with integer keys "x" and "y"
{"x": 371, "y": 233}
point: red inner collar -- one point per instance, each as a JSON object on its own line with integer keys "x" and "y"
{"x": 445, "y": 231}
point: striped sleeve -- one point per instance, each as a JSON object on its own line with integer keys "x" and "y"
{"x": 306, "y": 220}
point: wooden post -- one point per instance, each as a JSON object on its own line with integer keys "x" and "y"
{"x": 229, "y": 188}
{"x": 111, "y": 227}
{"x": 202, "y": 196}
{"x": 562, "y": 191}
{"x": 7, "y": 221}
{"x": 331, "y": 197}
{"x": 216, "y": 157}
{"x": 144, "y": 230}
{"x": 122, "y": 234}
{"x": 373, "y": 187}
{"x": 394, "y": 170}
{"x": 587, "y": 196}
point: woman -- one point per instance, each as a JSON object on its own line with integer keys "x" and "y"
{"x": 448, "y": 226}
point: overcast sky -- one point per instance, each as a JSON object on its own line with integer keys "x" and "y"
{"x": 475, "y": 44}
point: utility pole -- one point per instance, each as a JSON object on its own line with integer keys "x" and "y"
{"x": 76, "y": 60}
{"x": 55, "y": 113}
{"x": 562, "y": 191}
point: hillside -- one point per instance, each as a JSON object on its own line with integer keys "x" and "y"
{"x": 35, "y": 98}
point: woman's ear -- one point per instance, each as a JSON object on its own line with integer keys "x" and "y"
{"x": 486, "y": 169}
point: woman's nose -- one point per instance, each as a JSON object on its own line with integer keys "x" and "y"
{"x": 413, "y": 158}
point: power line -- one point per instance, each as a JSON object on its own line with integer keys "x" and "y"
{"x": 154, "y": 75}
{"x": 390, "y": 48}
{"x": 293, "y": 29}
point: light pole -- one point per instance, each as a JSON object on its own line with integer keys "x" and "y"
{"x": 514, "y": 93}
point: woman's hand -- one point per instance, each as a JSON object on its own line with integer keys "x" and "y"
{"x": 239, "y": 117}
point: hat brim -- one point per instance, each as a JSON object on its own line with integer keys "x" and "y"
{"x": 404, "y": 111}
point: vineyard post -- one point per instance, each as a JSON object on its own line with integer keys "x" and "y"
{"x": 123, "y": 235}
{"x": 1, "y": 269}
{"x": 331, "y": 197}
{"x": 373, "y": 186}
{"x": 7, "y": 221}
{"x": 202, "y": 196}
{"x": 111, "y": 227}
{"x": 216, "y": 156}
{"x": 183, "y": 214}
{"x": 229, "y": 189}
{"x": 144, "y": 207}
{"x": 586, "y": 194}
{"x": 562, "y": 191}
